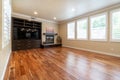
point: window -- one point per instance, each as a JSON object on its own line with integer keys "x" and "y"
{"x": 98, "y": 27}
{"x": 82, "y": 28}
{"x": 71, "y": 30}
{"x": 115, "y": 25}
{"x": 7, "y": 22}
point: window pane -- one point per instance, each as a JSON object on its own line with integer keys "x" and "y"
{"x": 71, "y": 30}
{"x": 98, "y": 27}
{"x": 116, "y": 25}
{"x": 6, "y": 23}
{"x": 82, "y": 26}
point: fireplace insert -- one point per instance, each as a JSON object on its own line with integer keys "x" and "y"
{"x": 49, "y": 39}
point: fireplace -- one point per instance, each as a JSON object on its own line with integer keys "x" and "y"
{"x": 49, "y": 39}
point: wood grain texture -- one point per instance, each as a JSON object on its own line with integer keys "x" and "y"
{"x": 63, "y": 64}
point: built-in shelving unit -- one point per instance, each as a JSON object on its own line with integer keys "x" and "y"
{"x": 26, "y": 34}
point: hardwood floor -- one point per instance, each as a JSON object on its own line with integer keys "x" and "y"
{"x": 62, "y": 64}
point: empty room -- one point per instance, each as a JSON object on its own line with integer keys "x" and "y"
{"x": 60, "y": 40}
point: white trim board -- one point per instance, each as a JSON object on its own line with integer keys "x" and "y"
{"x": 99, "y": 52}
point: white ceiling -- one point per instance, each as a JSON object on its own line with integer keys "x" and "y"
{"x": 61, "y": 9}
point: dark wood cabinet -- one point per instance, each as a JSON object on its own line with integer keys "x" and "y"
{"x": 25, "y": 44}
{"x": 25, "y": 34}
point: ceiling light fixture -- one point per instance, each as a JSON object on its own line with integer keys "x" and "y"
{"x": 54, "y": 18}
{"x": 35, "y": 12}
{"x": 73, "y": 9}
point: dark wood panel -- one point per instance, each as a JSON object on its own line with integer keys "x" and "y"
{"x": 62, "y": 64}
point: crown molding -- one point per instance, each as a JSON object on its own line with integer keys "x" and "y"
{"x": 19, "y": 15}
{"x": 88, "y": 14}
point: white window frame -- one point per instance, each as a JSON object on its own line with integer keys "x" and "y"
{"x": 106, "y": 37}
{"x": 77, "y": 28}
{"x": 111, "y": 12}
{"x": 74, "y": 30}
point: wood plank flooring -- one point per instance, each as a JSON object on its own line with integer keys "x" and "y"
{"x": 62, "y": 64}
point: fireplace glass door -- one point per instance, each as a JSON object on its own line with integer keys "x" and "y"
{"x": 49, "y": 39}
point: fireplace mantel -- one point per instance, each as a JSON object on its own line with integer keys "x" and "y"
{"x": 50, "y": 34}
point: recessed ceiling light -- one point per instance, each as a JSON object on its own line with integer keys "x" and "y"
{"x": 73, "y": 9}
{"x": 35, "y": 12}
{"x": 54, "y": 18}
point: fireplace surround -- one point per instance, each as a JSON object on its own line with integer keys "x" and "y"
{"x": 49, "y": 38}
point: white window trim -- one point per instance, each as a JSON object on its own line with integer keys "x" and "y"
{"x": 74, "y": 31}
{"x": 106, "y": 38}
{"x": 5, "y": 43}
{"x": 113, "y": 40}
{"x": 87, "y": 28}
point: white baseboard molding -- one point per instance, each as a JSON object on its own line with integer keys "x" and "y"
{"x": 100, "y": 52}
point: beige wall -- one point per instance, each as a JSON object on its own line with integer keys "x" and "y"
{"x": 105, "y": 47}
{"x": 4, "y": 52}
